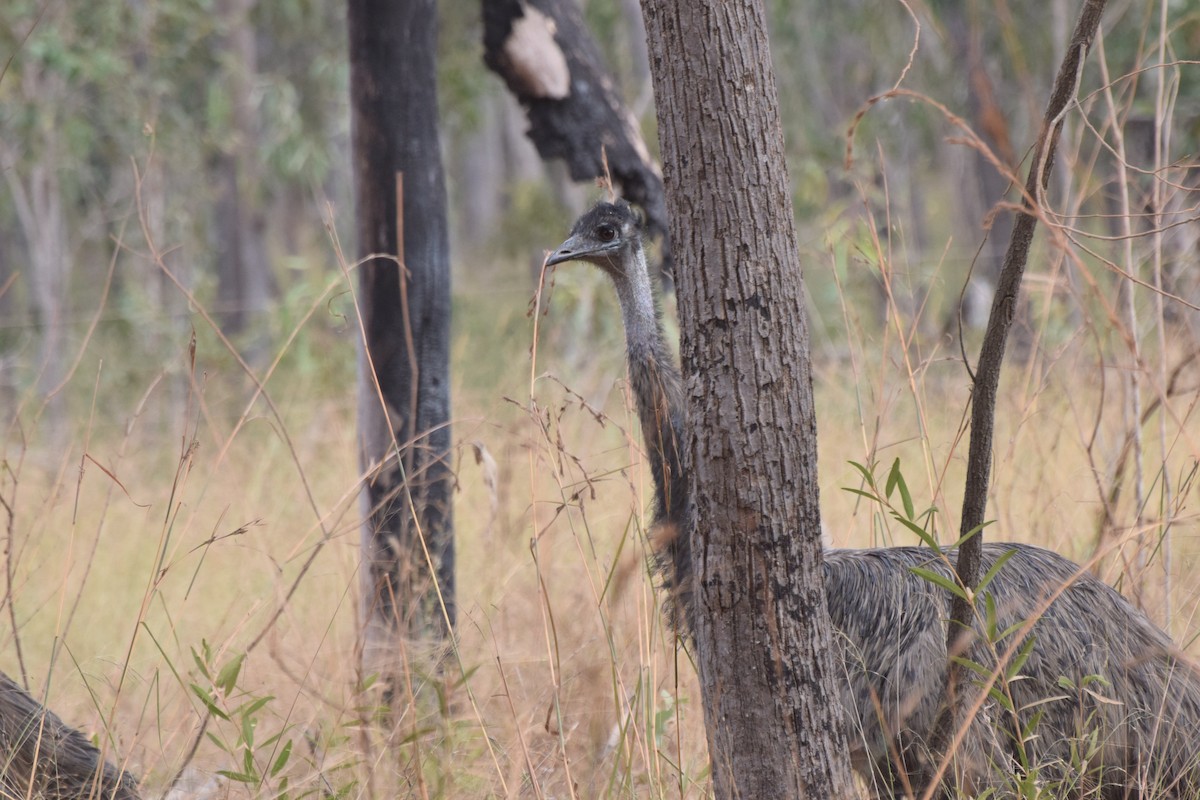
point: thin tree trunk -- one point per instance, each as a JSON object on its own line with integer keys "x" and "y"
{"x": 982, "y": 188}
{"x": 991, "y": 355}
{"x": 9, "y": 318}
{"x": 37, "y": 196}
{"x": 245, "y": 284}
{"x": 765, "y": 645}
{"x": 404, "y": 296}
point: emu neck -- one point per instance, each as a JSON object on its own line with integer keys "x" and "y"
{"x": 659, "y": 395}
{"x": 652, "y": 370}
{"x": 639, "y": 307}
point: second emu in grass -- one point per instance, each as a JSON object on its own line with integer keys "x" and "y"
{"x": 1103, "y": 707}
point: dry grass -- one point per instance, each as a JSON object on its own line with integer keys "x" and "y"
{"x": 172, "y": 508}
{"x": 173, "y": 534}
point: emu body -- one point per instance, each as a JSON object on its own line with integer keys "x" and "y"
{"x": 43, "y": 757}
{"x": 1102, "y": 707}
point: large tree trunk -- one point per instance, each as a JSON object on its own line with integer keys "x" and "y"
{"x": 765, "y": 645}
{"x": 543, "y": 51}
{"x": 404, "y": 387}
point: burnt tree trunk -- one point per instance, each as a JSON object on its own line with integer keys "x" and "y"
{"x": 545, "y": 54}
{"x": 764, "y": 641}
{"x": 404, "y": 298}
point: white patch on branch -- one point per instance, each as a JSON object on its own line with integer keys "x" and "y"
{"x": 537, "y": 60}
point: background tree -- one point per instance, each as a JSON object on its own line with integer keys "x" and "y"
{"x": 246, "y": 285}
{"x": 764, "y": 642}
{"x": 404, "y": 297}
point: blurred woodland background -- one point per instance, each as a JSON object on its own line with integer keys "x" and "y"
{"x": 177, "y": 368}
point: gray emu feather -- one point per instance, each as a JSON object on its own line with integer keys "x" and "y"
{"x": 43, "y": 757}
{"x": 1108, "y": 707}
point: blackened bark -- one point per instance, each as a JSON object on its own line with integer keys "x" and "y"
{"x": 545, "y": 54}
{"x": 41, "y": 756}
{"x": 764, "y": 641}
{"x": 405, "y": 304}
{"x": 991, "y": 354}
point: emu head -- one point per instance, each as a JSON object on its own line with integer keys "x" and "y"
{"x": 609, "y": 236}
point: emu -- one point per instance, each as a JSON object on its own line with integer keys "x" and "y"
{"x": 1104, "y": 707}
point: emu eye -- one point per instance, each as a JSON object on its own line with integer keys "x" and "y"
{"x": 606, "y": 233}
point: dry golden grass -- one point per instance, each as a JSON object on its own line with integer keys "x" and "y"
{"x": 173, "y": 519}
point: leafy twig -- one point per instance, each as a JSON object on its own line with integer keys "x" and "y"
{"x": 991, "y": 356}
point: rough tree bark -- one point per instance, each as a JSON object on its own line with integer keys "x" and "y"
{"x": 545, "y": 54}
{"x": 764, "y": 642}
{"x": 991, "y": 354}
{"x": 404, "y": 297}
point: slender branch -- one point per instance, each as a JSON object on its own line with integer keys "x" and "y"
{"x": 991, "y": 356}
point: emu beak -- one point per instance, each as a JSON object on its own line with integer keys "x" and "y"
{"x": 570, "y": 250}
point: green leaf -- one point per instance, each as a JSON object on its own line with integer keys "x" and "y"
{"x": 237, "y": 777}
{"x": 990, "y": 625}
{"x": 282, "y": 759}
{"x": 922, "y": 534}
{"x": 896, "y": 481}
{"x": 200, "y": 665}
{"x": 861, "y": 493}
{"x": 974, "y": 666}
{"x": 248, "y": 766}
{"x": 227, "y": 679}
{"x": 893, "y": 477}
{"x": 1028, "y": 732}
{"x": 1010, "y": 630}
{"x": 1001, "y": 698}
{"x": 962, "y": 539}
{"x": 252, "y": 708}
{"x": 1019, "y": 660}
{"x": 208, "y": 701}
{"x": 991, "y": 573}
{"x": 248, "y": 725}
{"x": 416, "y": 734}
{"x": 868, "y": 474}
{"x": 939, "y": 580}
